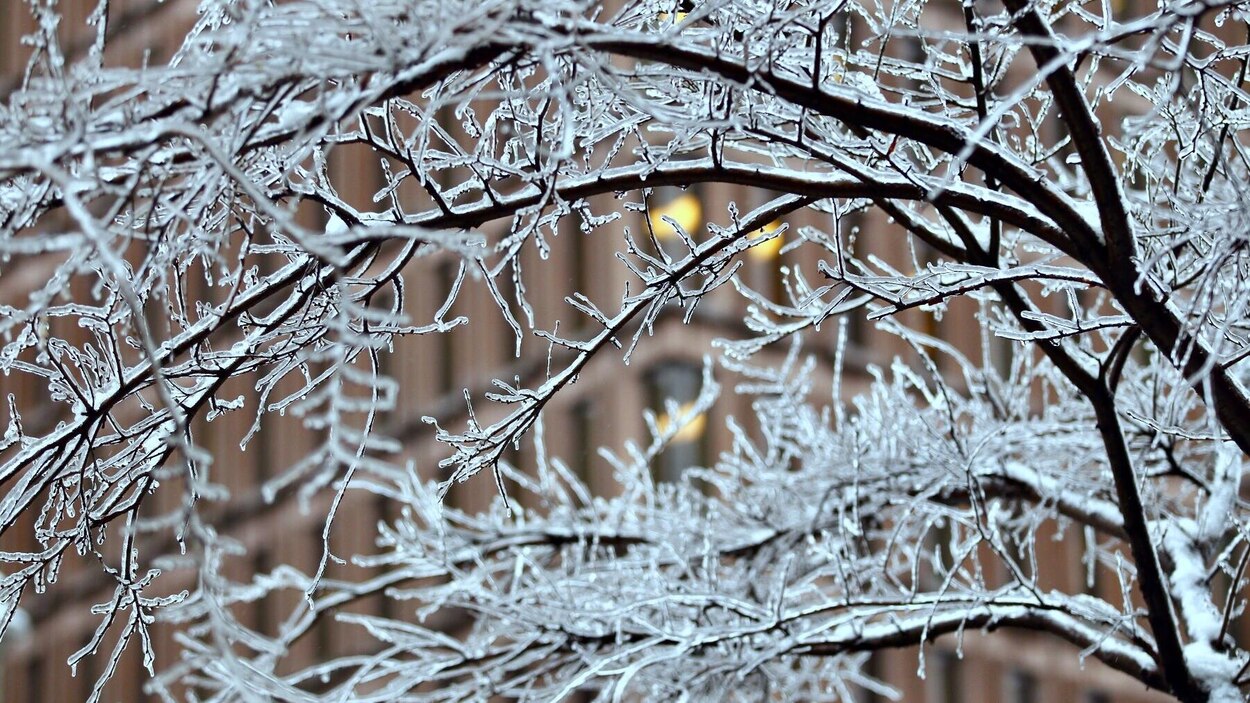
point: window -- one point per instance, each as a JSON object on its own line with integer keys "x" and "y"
{"x": 87, "y": 672}
{"x": 1002, "y": 353}
{"x": 849, "y": 29}
{"x": 581, "y": 269}
{"x": 769, "y": 251}
{"x": 577, "y": 255}
{"x": 385, "y": 509}
{"x": 674, "y": 387}
{"x": 766, "y": 267}
{"x": 1092, "y": 577}
{"x": 848, "y": 229}
{"x": 584, "y": 444}
{"x": 1124, "y": 9}
{"x": 140, "y": 679}
{"x": 1020, "y": 687}
{"x": 670, "y": 212}
{"x": 926, "y": 257}
{"x": 262, "y": 608}
{"x": 1095, "y": 696}
{"x": 766, "y": 258}
{"x": 34, "y": 678}
{"x": 446, "y": 274}
{"x": 384, "y": 301}
{"x": 667, "y": 19}
{"x": 937, "y": 555}
{"x": 260, "y": 450}
{"x": 943, "y": 683}
{"x": 323, "y": 636}
{"x": 872, "y": 669}
{"x": 1240, "y": 623}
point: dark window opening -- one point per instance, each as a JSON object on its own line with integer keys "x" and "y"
{"x": 674, "y": 387}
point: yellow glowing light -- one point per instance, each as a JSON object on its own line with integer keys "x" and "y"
{"x": 685, "y": 210}
{"x": 771, "y": 249}
{"x": 678, "y": 19}
{"x": 690, "y": 424}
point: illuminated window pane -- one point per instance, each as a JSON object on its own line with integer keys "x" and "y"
{"x": 684, "y": 211}
{"x": 769, "y": 251}
{"x": 688, "y": 424}
{"x": 678, "y": 382}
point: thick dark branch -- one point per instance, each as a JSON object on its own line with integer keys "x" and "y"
{"x": 1084, "y": 131}
{"x": 1082, "y": 241}
{"x": 1123, "y": 278}
{"x": 1159, "y": 606}
{"x": 1159, "y": 612}
{"x": 967, "y": 198}
{"x": 1115, "y": 653}
{"x": 851, "y": 109}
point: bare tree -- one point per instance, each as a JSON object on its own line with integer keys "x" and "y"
{"x": 171, "y": 210}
